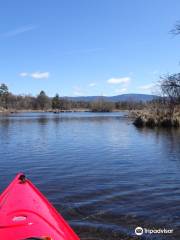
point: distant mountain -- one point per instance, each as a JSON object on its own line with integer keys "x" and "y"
{"x": 131, "y": 97}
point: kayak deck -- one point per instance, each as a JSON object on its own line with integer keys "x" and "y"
{"x": 25, "y": 213}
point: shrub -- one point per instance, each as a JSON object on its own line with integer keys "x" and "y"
{"x": 150, "y": 123}
{"x": 138, "y": 122}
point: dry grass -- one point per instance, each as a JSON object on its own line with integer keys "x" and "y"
{"x": 157, "y": 116}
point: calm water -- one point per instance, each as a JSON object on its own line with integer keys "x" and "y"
{"x": 105, "y": 176}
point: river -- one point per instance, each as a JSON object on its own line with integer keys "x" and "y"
{"x": 105, "y": 176}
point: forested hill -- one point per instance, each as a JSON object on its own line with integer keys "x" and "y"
{"x": 132, "y": 97}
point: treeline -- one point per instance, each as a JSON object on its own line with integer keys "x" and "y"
{"x": 12, "y": 102}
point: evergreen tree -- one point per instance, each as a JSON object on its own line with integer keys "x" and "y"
{"x": 4, "y": 93}
{"x": 56, "y": 102}
{"x": 42, "y": 100}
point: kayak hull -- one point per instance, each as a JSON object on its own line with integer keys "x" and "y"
{"x": 25, "y": 213}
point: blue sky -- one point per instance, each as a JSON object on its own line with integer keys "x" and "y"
{"x": 87, "y": 47}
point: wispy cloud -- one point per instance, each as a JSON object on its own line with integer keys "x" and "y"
{"x": 77, "y": 91}
{"x": 23, "y": 74}
{"x": 147, "y": 86}
{"x": 155, "y": 72}
{"x": 18, "y": 31}
{"x": 120, "y": 91}
{"x": 92, "y": 84}
{"x": 121, "y": 80}
{"x": 35, "y": 75}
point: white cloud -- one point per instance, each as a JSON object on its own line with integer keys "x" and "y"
{"x": 155, "y": 72}
{"x": 120, "y": 91}
{"x": 23, "y": 74}
{"x": 36, "y": 75}
{"x": 147, "y": 87}
{"x": 121, "y": 80}
{"x": 92, "y": 84}
{"x": 19, "y": 30}
{"x": 40, "y": 75}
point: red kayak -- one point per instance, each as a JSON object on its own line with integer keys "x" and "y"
{"x": 25, "y": 214}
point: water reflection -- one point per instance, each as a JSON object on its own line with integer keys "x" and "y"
{"x": 169, "y": 138}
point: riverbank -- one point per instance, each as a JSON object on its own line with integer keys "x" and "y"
{"x": 12, "y": 111}
{"x": 156, "y": 117}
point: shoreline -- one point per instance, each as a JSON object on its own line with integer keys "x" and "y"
{"x": 155, "y": 118}
{"x": 55, "y": 111}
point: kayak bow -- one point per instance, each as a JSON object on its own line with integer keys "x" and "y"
{"x": 26, "y": 214}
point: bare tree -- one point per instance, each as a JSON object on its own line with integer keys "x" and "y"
{"x": 100, "y": 105}
{"x": 176, "y": 29}
{"x": 170, "y": 87}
